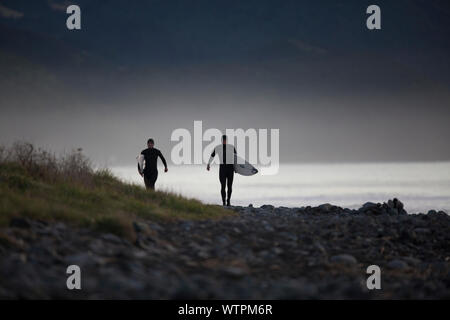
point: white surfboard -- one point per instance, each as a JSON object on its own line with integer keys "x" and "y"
{"x": 243, "y": 167}
{"x": 140, "y": 163}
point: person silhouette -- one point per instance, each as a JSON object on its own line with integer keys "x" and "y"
{"x": 150, "y": 171}
{"x": 226, "y": 153}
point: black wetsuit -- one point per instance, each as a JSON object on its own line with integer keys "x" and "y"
{"x": 151, "y": 170}
{"x": 226, "y": 175}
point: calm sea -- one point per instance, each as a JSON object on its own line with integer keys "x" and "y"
{"x": 420, "y": 186}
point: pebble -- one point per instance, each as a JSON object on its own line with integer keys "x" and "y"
{"x": 344, "y": 259}
{"x": 111, "y": 238}
{"x": 397, "y": 264}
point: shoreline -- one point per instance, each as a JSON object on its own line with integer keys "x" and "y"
{"x": 258, "y": 253}
{"x": 369, "y": 207}
{"x": 421, "y": 188}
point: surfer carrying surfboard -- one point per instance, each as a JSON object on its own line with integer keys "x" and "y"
{"x": 150, "y": 171}
{"x": 226, "y": 153}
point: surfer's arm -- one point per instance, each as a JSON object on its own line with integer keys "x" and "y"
{"x": 211, "y": 158}
{"x": 213, "y": 154}
{"x": 163, "y": 159}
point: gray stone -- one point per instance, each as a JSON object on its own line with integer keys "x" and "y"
{"x": 368, "y": 205}
{"x": 81, "y": 260}
{"x": 320, "y": 247}
{"x": 344, "y": 259}
{"x": 412, "y": 261}
{"x": 140, "y": 227}
{"x": 111, "y": 238}
{"x": 397, "y": 264}
{"x": 394, "y": 207}
{"x": 422, "y": 231}
{"x": 187, "y": 225}
{"x": 235, "y": 271}
{"x": 326, "y": 207}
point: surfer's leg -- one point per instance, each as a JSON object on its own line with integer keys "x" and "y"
{"x": 154, "y": 178}
{"x": 147, "y": 182}
{"x": 223, "y": 182}
{"x": 230, "y": 176}
{"x": 150, "y": 179}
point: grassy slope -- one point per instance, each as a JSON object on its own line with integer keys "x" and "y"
{"x": 104, "y": 203}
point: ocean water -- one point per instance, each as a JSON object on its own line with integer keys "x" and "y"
{"x": 420, "y": 186}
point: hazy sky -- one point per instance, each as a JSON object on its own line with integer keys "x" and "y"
{"x": 337, "y": 91}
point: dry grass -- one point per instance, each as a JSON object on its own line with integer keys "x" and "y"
{"x": 37, "y": 184}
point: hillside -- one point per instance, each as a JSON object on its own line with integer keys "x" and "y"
{"x": 38, "y": 185}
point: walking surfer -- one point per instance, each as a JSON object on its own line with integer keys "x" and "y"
{"x": 150, "y": 171}
{"x": 226, "y": 153}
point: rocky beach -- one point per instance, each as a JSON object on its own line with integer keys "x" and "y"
{"x": 257, "y": 253}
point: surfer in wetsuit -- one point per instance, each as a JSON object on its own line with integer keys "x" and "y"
{"x": 150, "y": 172}
{"x": 226, "y": 154}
